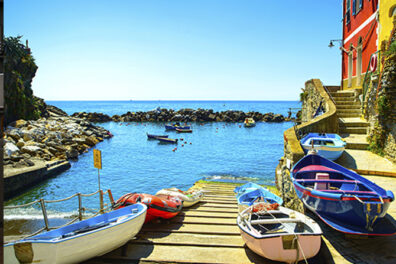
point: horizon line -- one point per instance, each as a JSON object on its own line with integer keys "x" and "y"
{"x": 172, "y": 100}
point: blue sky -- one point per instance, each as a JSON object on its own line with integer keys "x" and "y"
{"x": 178, "y": 50}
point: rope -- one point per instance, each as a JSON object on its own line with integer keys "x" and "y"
{"x": 61, "y": 200}
{"x": 22, "y": 205}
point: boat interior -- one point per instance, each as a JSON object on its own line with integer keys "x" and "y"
{"x": 321, "y": 142}
{"x": 331, "y": 181}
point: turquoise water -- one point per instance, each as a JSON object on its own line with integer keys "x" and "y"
{"x": 132, "y": 163}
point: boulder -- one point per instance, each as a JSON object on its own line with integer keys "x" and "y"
{"x": 91, "y": 141}
{"x": 72, "y": 154}
{"x": 10, "y": 148}
{"x": 19, "y": 123}
{"x": 32, "y": 150}
{"x": 20, "y": 143}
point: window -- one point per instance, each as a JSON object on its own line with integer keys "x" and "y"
{"x": 357, "y": 5}
{"x": 348, "y": 11}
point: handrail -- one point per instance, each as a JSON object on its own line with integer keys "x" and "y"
{"x": 103, "y": 208}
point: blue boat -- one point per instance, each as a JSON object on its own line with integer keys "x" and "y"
{"x": 330, "y": 146}
{"x": 176, "y": 125}
{"x": 251, "y": 193}
{"x": 248, "y": 187}
{"x": 150, "y": 136}
{"x": 79, "y": 241}
{"x": 343, "y": 199}
{"x": 167, "y": 140}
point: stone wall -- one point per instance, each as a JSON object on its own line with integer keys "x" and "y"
{"x": 380, "y": 108}
{"x": 327, "y": 122}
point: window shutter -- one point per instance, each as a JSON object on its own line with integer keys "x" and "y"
{"x": 360, "y": 4}
{"x": 354, "y": 7}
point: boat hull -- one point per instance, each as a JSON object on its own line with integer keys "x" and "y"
{"x": 329, "y": 153}
{"x": 189, "y": 199}
{"x": 74, "y": 249}
{"x": 149, "y": 136}
{"x": 329, "y": 146}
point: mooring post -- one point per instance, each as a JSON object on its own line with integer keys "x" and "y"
{"x": 44, "y": 214}
{"x": 79, "y": 206}
{"x": 111, "y": 197}
{"x": 101, "y": 201}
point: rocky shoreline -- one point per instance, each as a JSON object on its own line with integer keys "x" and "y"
{"x": 49, "y": 139}
{"x": 182, "y": 115}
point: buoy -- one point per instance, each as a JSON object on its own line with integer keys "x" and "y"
{"x": 181, "y": 139}
{"x": 182, "y": 145}
{"x": 373, "y": 63}
{"x": 240, "y": 126}
{"x": 185, "y": 142}
{"x": 190, "y": 143}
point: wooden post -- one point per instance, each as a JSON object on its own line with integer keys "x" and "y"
{"x": 79, "y": 206}
{"x": 44, "y": 214}
{"x": 111, "y": 197}
{"x": 101, "y": 201}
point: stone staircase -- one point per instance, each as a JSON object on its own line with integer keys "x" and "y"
{"x": 352, "y": 128}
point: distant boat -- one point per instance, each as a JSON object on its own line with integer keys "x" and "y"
{"x": 150, "y": 136}
{"x": 79, "y": 241}
{"x": 281, "y": 235}
{"x": 167, "y": 140}
{"x": 343, "y": 199}
{"x": 249, "y": 122}
{"x": 183, "y": 130}
{"x": 330, "y": 146}
{"x": 176, "y": 125}
{"x": 189, "y": 198}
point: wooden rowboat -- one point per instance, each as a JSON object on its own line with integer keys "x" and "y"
{"x": 281, "y": 235}
{"x": 330, "y": 146}
{"x": 79, "y": 241}
{"x": 150, "y": 136}
{"x": 249, "y": 122}
{"x": 167, "y": 140}
{"x": 343, "y": 199}
{"x": 184, "y": 130}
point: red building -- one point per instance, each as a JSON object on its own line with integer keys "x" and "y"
{"x": 360, "y": 40}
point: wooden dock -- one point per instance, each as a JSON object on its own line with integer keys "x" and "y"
{"x": 204, "y": 233}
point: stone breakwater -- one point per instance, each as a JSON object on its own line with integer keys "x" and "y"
{"x": 49, "y": 139}
{"x": 182, "y": 115}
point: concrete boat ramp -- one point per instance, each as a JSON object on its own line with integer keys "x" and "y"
{"x": 204, "y": 233}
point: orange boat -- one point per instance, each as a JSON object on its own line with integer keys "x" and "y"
{"x": 158, "y": 206}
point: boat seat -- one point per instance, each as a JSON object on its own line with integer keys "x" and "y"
{"x": 322, "y": 185}
{"x": 274, "y": 221}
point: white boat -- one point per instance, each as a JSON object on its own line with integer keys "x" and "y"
{"x": 249, "y": 122}
{"x": 189, "y": 198}
{"x": 79, "y": 241}
{"x": 281, "y": 235}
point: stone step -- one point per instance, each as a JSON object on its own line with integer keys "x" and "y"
{"x": 349, "y": 102}
{"x": 357, "y": 111}
{"x": 353, "y": 130}
{"x": 352, "y": 122}
{"x": 349, "y": 106}
{"x": 344, "y": 98}
{"x": 342, "y": 94}
{"x": 343, "y": 115}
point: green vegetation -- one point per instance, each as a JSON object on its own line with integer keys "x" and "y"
{"x": 303, "y": 95}
{"x": 391, "y": 50}
{"x": 20, "y": 69}
{"x": 377, "y": 140}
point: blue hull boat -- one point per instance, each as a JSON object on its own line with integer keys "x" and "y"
{"x": 174, "y": 126}
{"x": 330, "y": 146}
{"x": 343, "y": 199}
{"x": 252, "y": 193}
{"x": 150, "y": 136}
{"x": 248, "y": 187}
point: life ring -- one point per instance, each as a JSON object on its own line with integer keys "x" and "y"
{"x": 373, "y": 63}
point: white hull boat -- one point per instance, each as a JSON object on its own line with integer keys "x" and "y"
{"x": 189, "y": 198}
{"x": 281, "y": 235}
{"x": 79, "y": 241}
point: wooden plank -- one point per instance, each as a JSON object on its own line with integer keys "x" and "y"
{"x": 209, "y": 214}
{"x": 185, "y": 254}
{"x": 212, "y": 209}
{"x": 219, "y": 201}
{"x": 193, "y": 228}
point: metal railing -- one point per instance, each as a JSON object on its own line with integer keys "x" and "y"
{"x": 103, "y": 208}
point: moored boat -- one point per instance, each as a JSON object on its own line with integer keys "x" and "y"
{"x": 176, "y": 125}
{"x": 330, "y": 146}
{"x": 249, "y": 122}
{"x": 79, "y": 241}
{"x": 281, "y": 235}
{"x": 167, "y": 140}
{"x": 183, "y": 130}
{"x": 151, "y": 136}
{"x": 248, "y": 187}
{"x": 343, "y": 199}
{"x": 163, "y": 207}
{"x": 262, "y": 196}
{"x": 189, "y": 198}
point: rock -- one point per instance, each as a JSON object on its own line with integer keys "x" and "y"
{"x": 72, "y": 154}
{"x": 16, "y": 157}
{"x": 14, "y": 134}
{"x": 19, "y": 123}
{"x": 91, "y": 141}
{"x": 20, "y": 143}
{"x": 32, "y": 150}
{"x": 29, "y": 162}
{"x": 278, "y": 118}
{"x": 10, "y": 148}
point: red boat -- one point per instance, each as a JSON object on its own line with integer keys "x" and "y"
{"x": 158, "y": 206}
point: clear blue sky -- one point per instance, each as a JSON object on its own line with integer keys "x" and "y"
{"x": 178, "y": 50}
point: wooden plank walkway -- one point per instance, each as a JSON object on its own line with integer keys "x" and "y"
{"x": 204, "y": 233}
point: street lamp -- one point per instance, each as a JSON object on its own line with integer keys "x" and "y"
{"x": 331, "y": 44}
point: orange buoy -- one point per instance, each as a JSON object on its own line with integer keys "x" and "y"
{"x": 190, "y": 143}
{"x": 185, "y": 142}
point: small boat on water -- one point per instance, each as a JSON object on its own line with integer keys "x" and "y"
{"x": 330, "y": 146}
{"x": 79, "y": 241}
{"x": 183, "y": 130}
{"x": 176, "y": 125}
{"x": 280, "y": 235}
{"x": 167, "y": 140}
{"x": 163, "y": 207}
{"x": 189, "y": 198}
{"x": 342, "y": 198}
{"x": 249, "y": 122}
{"x": 262, "y": 196}
{"x": 150, "y": 136}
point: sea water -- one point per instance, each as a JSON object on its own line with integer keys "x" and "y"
{"x": 132, "y": 163}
